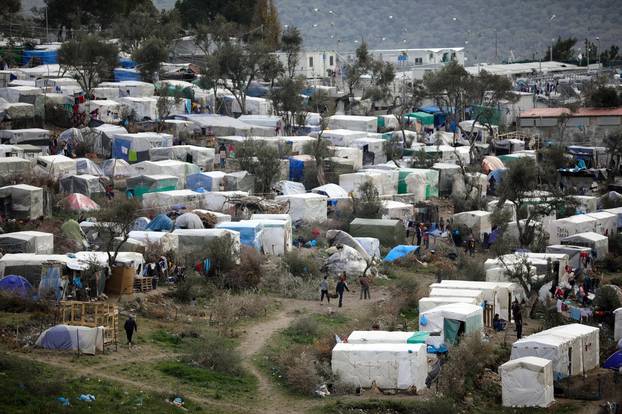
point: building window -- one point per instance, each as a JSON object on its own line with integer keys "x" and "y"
{"x": 418, "y": 61}
{"x": 431, "y": 57}
{"x": 331, "y": 61}
{"x": 311, "y": 61}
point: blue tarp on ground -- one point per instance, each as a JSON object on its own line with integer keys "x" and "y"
{"x": 127, "y": 63}
{"x": 16, "y": 285}
{"x": 431, "y": 109}
{"x": 45, "y": 57}
{"x": 296, "y": 170}
{"x": 399, "y": 251}
{"x": 161, "y": 222}
{"x": 140, "y": 224}
{"x": 614, "y": 361}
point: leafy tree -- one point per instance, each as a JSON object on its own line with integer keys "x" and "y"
{"x": 563, "y": 50}
{"x": 149, "y": 55}
{"x": 271, "y": 69}
{"x": 116, "y": 220}
{"x": 451, "y": 88}
{"x": 321, "y": 103}
{"x": 382, "y": 77}
{"x": 288, "y": 102}
{"x": 236, "y": 65}
{"x": 523, "y": 273}
{"x": 144, "y": 23}
{"x": 261, "y": 160}
{"x": 604, "y": 97}
{"x": 358, "y": 68}
{"x": 266, "y": 23}
{"x": 291, "y": 45}
{"x": 409, "y": 97}
{"x": 521, "y": 185}
{"x": 367, "y": 204}
{"x": 610, "y": 55}
{"x": 196, "y": 12}
{"x": 613, "y": 142}
{"x": 166, "y": 102}
{"x": 90, "y": 59}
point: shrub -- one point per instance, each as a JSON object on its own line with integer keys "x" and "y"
{"x": 17, "y": 304}
{"x": 611, "y": 262}
{"x": 192, "y": 286}
{"x": 302, "y": 265}
{"x": 459, "y": 375}
{"x": 278, "y": 280}
{"x": 367, "y": 204}
{"x": 303, "y": 330}
{"x": 228, "y": 309}
{"x": 215, "y": 353}
{"x": 470, "y": 269}
{"x": 247, "y": 274}
{"x": 221, "y": 253}
{"x": 606, "y": 299}
{"x": 298, "y": 368}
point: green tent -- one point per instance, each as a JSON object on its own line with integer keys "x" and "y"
{"x": 142, "y": 184}
{"x": 418, "y": 338}
{"x": 389, "y": 232}
{"x": 423, "y": 117}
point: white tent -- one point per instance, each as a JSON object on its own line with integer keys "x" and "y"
{"x": 55, "y": 166}
{"x": 606, "y": 223}
{"x": 179, "y": 169}
{"x": 275, "y": 237}
{"x": 478, "y": 295}
{"x": 586, "y": 204}
{"x": 527, "y": 382}
{"x": 379, "y": 337}
{"x": 108, "y": 111}
{"x": 373, "y": 150}
{"x": 569, "y": 226}
{"x": 545, "y": 346}
{"x": 389, "y": 179}
{"x": 27, "y": 242}
{"x": 32, "y": 136}
{"x": 26, "y": 200}
{"x": 164, "y": 200}
{"x": 142, "y": 108}
{"x": 353, "y": 154}
{"x": 352, "y": 182}
{"x": 342, "y": 137}
{"x": 192, "y": 243}
{"x": 76, "y": 338}
{"x": 448, "y": 320}
{"x": 14, "y": 167}
{"x": 397, "y": 210}
{"x": 478, "y": 221}
{"x": 427, "y": 303}
{"x": 596, "y": 242}
{"x": 573, "y": 251}
{"x": 446, "y": 174}
{"x": 131, "y": 88}
{"x": 354, "y": 123}
{"x": 308, "y": 207}
{"x": 199, "y": 156}
{"x": 166, "y": 241}
{"x": 389, "y": 366}
{"x": 135, "y": 147}
{"x": 587, "y": 342}
{"x": 218, "y": 200}
{"x": 220, "y": 217}
{"x": 370, "y": 244}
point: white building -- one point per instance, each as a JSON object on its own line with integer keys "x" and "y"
{"x": 313, "y": 64}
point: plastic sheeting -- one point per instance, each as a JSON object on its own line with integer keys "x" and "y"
{"x": 55, "y": 166}
{"x": 345, "y": 259}
{"x": 193, "y": 243}
{"x": 14, "y": 167}
{"x": 179, "y": 169}
{"x": 135, "y": 147}
{"x": 86, "y": 166}
{"x": 208, "y": 181}
{"x": 72, "y": 338}
{"x": 527, "y": 382}
{"x": 26, "y": 200}
{"x": 27, "y": 242}
{"x": 138, "y": 186}
{"x": 337, "y": 237}
{"x": 275, "y": 236}
{"x": 434, "y": 321}
{"x": 399, "y": 252}
{"x": 306, "y": 207}
{"x": 586, "y": 342}
{"x": 199, "y": 156}
{"x": 545, "y": 346}
{"x": 289, "y": 187}
{"x": 388, "y": 366}
{"x": 370, "y": 244}
{"x": 388, "y": 232}
{"x": 250, "y": 232}
{"x": 353, "y": 123}
{"x": 239, "y": 181}
{"x": 86, "y": 184}
{"x": 382, "y": 337}
{"x": 161, "y": 222}
{"x": 79, "y": 202}
{"x": 331, "y": 191}
{"x": 165, "y": 200}
{"x": 478, "y": 221}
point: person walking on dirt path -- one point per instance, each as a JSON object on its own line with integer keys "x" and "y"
{"x": 342, "y": 286}
{"x": 364, "y": 282}
{"x": 130, "y": 327}
{"x": 518, "y": 318}
{"x": 324, "y": 290}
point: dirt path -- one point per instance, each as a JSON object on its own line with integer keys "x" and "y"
{"x": 271, "y": 398}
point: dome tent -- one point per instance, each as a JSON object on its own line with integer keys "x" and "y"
{"x": 16, "y": 285}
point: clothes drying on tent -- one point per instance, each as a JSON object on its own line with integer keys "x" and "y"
{"x": 79, "y": 202}
{"x": 399, "y": 252}
{"x": 161, "y": 222}
{"x": 16, "y": 285}
{"x": 73, "y": 338}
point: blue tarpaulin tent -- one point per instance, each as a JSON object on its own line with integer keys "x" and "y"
{"x": 122, "y": 74}
{"x": 45, "y": 57}
{"x": 614, "y": 361}
{"x": 16, "y": 285}
{"x": 296, "y": 170}
{"x": 399, "y": 251}
{"x": 161, "y": 222}
{"x": 250, "y": 232}
{"x": 200, "y": 180}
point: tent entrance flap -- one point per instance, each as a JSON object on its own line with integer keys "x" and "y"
{"x": 452, "y": 329}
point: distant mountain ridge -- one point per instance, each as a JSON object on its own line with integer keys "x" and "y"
{"x": 522, "y": 28}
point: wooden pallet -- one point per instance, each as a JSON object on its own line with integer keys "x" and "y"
{"x": 91, "y": 314}
{"x": 143, "y": 284}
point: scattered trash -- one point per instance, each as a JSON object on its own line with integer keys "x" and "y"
{"x": 64, "y": 401}
{"x": 87, "y": 397}
{"x": 322, "y": 391}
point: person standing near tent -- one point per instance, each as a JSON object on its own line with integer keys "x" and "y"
{"x": 518, "y": 318}
{"x": 418, "y": 233}
{"x": 130, "y": 327}
{"x": 341, "y": 287}
{"x": 324, "y": 290}
{"x": 364, "y": 282}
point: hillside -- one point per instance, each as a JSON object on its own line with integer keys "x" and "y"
{"x": 522, "y": 27}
